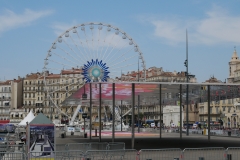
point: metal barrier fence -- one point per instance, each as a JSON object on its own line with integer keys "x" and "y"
{"x": 129, "y": 154}
{"x": 99, "y": 146}
{"x": 116, "y": 145}
{"x": 78, "y": 146}
{"x": 216, "y": 153}
{"x": 12, "y": 148}
{"x": 12, "y": 156}
{"x": 122, "y": 154}
{"x": 116, "y": 150}
{"x": 156, "y": 154}
{"x": 232, "y": 153}
{"x": 56, "y": 155}
{"x": 61, "y": 147}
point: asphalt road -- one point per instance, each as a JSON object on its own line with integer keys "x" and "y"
{"x": 152, "y": 141}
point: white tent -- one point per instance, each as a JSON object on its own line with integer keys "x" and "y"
{"x": 28, "y": 119}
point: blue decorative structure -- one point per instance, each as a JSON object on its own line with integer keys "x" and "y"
{"x": 95, "y": 71}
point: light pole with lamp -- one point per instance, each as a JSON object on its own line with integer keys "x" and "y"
{"x": 138, "y": 98}
{"x": 171, "y": 118}
{"x": 186, "y": 65}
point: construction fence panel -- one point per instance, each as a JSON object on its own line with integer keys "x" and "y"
{"x": 156, "y": 154}
{"x": 203, "y": 153}
{"x": 232, "y": 153}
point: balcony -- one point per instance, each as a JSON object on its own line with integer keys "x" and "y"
{"x": 4, "y": 112}
{"x": 150, "y": 113}
{"x": 6, "y": 91}
{"x": 29, "y": 84}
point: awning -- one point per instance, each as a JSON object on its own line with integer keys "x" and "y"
{"x": 39, "y": 102}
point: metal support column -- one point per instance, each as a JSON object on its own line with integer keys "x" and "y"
{"x": 160, "y": 105}
{"x": 121, "y": 115}
{"x": 133, "y": 113}
{"x": 209, "y": 113}
{"x": 113, "y": 113}
{"x": 100, "y": 111}
{"x": 138, "y": 113}
{"x": 90, "y": 125}
{"x": 180, "y": 129}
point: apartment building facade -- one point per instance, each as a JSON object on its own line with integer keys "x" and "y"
{"x": 154, "y": 74}
{"x": 10, "y": 98}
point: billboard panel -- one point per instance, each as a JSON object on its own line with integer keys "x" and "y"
{"x": 41, "y": 141}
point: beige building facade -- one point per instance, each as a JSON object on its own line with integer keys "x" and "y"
{"x": 10, "y": 98}
{"x": 234, "y": 68}
{"x": 227, "y": 110}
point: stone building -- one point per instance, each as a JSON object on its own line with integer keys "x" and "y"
{"x": 234, "y": 68}
{"x": 154, "y": 74}
{"x": 46, "y": 93}
{"x": 10, "y": 99}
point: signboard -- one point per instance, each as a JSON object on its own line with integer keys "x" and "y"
{"x": 41, "y": 141}
{"x": 70, "y": 129}
{"x": 84, "y": 115}
{"x": 80, "y": 110}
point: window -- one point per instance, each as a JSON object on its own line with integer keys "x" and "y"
{"x": 229, "y": 109}
{"x": 217, "y": 110}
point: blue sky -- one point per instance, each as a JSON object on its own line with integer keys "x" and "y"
{"x": 28, "y": 29}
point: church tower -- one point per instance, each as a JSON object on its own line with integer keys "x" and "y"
{"x": 233, "y": 66}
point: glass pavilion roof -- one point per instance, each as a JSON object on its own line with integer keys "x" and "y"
{"x": 149, "y": 93}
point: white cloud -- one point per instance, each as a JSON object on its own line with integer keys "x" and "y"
{"x": 217, "y": 27}
{"x": 10, "y": 20}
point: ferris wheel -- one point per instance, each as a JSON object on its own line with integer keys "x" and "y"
{"x": 98, "y": 52}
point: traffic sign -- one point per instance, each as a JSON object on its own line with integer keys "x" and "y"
{"x": 84, "y": 115}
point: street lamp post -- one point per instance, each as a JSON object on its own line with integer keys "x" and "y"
{"x": 186, "y": 65}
